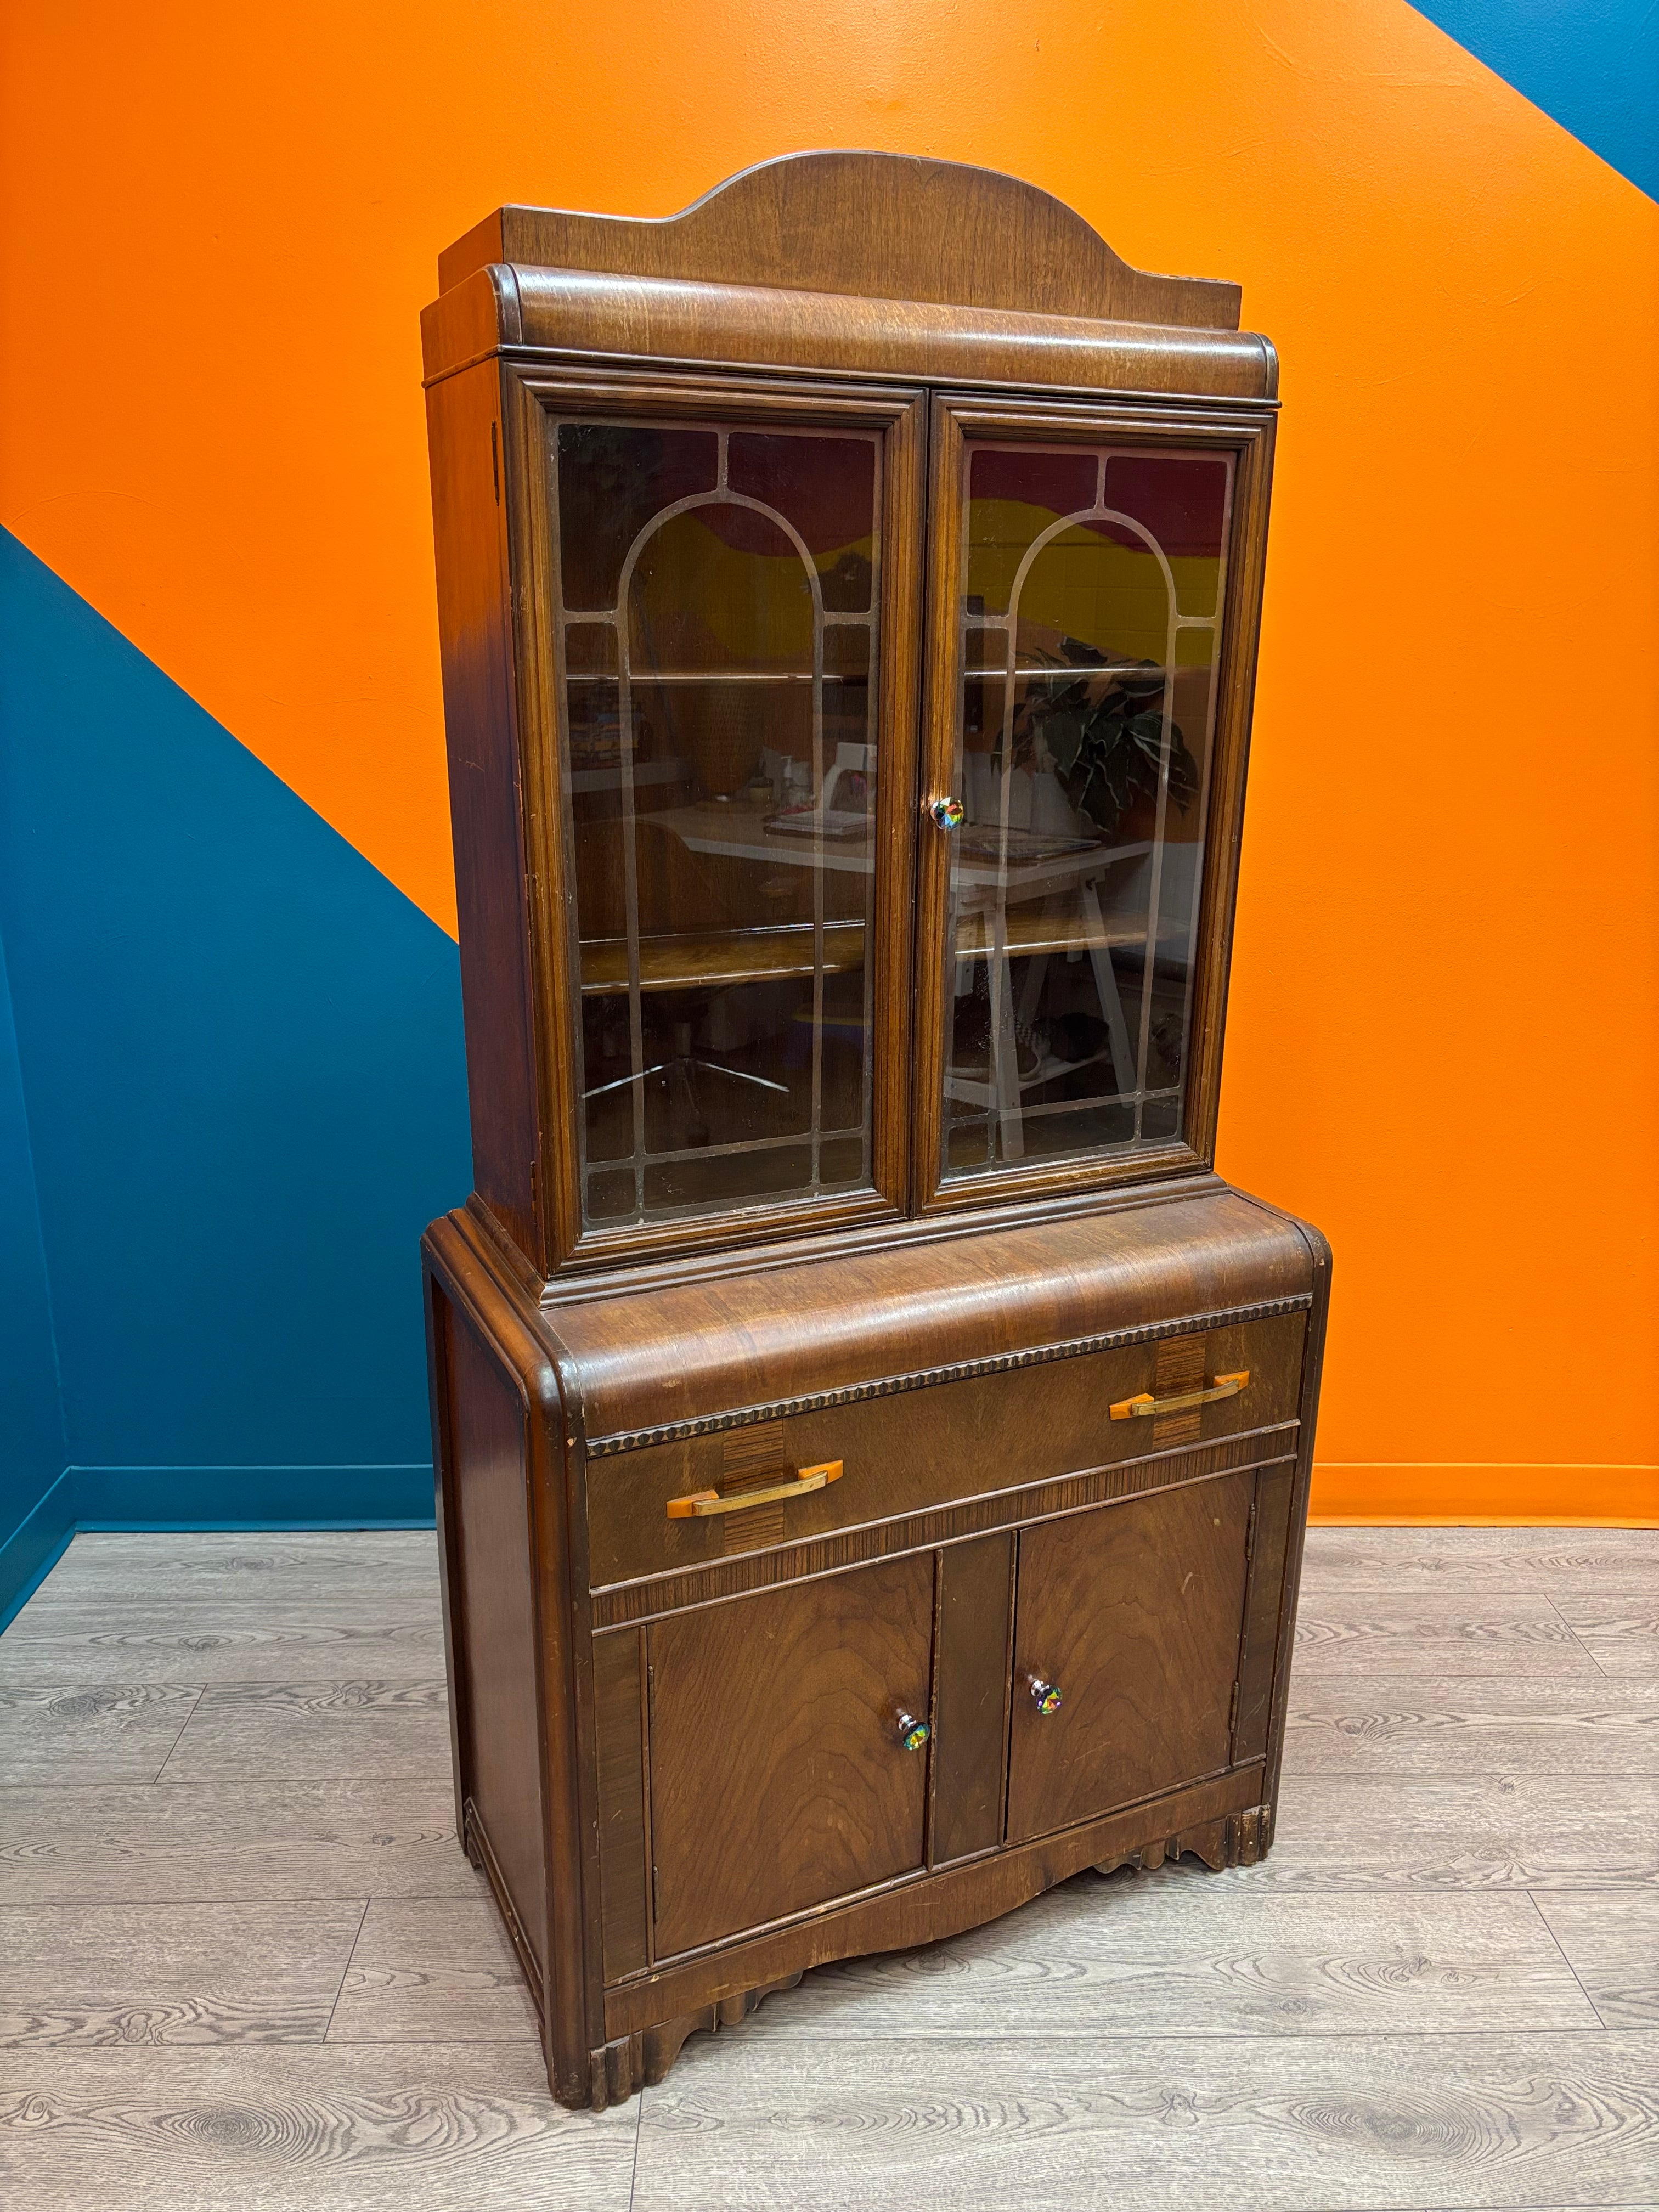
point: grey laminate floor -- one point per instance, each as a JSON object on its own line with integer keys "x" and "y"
{"x": 244, "y": 1964}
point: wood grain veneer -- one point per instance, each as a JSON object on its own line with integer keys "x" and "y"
{"x": 774, "y": 1728}
{"x": 1135, "y": 1611}
{"x": 895, "y": 225}
{"x": 971, "y": 1685}
{"x": 521, "y": 310}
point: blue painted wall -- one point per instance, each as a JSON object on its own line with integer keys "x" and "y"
{"x": 33, "y": 1511}
{"x": 241, "y": 1059}
{"x": 1593, "y": 65}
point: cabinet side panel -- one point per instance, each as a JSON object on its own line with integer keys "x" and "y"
{"x": 1313, "y": 1364}
{"x": 1255, "y": 1672}
{"x": 440, "y": 1325}
{"x": 489, "y": 1512}
{"x": 970, "y": 1695}
{"x": 468, "y": 485}
{"x": 617, "y": 1712}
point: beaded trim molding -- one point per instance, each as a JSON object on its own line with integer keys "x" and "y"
{"x": 961, "y": 1371}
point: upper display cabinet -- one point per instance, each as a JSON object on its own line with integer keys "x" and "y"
{"x": 848, "y": 593}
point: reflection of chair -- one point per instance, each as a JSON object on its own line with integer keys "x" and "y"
{"x": 677, "y": 1071}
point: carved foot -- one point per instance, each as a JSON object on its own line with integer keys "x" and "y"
{"x": 1248, "y": 1835}
{"x": 467, "y": 1833}
{"x": 1208, "y": 1842}
{"x": 1240, "y": 1840}
{"x": 642, "y": 2059}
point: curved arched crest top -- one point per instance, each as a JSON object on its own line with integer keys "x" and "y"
{"x": 882, "y": 226}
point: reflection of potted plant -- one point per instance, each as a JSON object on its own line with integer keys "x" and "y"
{"x": 1104, "y": 736}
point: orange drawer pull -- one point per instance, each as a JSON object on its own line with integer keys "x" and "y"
{"x": 1225, "y": 1386}
{"x": 703, "y": 1502}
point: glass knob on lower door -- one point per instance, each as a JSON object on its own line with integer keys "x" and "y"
{"x": 1045, "y": 1696}
{"x": 912, "y": 1733}
{"x": 949, "y": 813}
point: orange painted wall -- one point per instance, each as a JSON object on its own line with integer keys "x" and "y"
{"x": 220, "y": 228}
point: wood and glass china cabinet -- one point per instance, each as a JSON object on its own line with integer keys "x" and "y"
{"x": 873, "y": 1443}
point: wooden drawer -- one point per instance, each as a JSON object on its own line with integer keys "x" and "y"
{"x": 921, "y": 1448}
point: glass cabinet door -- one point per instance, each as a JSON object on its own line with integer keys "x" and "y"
{"x": 1082, "y": 603}
{"x": 717, "y": 595}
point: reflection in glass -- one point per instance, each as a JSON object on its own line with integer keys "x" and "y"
{"x": 1089, "y": 627}
{"x": 717, "y": 616}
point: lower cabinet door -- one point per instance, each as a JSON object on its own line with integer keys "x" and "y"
{"x": 1126, "y": 1651}
{"x": 780, "y": 1776}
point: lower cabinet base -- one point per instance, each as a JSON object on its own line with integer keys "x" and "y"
{"x": 1223, "y": 1822}
{"x": 699, "y": 1753}
{"x": 1239, "y": 1840}
{"x": 640, "y": 2060}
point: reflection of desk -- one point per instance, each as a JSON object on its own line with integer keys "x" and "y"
{"x": 739, "y": 833}
{"x": 1029, "y": 872}
{"x": 716, "y": 959}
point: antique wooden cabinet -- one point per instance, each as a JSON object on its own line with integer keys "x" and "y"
{"x": 873, "y": 1443}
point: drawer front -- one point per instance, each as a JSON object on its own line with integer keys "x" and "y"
{"x": 919, "y": 1450}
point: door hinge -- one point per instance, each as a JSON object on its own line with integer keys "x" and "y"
{"x": 495, "y": 462}
{"x": 1232, "y": 1713}
{"x": 1249, "y": 1535}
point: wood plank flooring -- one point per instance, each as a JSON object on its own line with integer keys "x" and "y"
{"x": 243, "y": 1964}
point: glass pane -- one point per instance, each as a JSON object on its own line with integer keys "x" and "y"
{"x": 1089, "y": 625}
{"x": 590, "y": 648}
{"x": 825, "y": 488}
{"x": 721, "y": 775}
{"x": 1181, "y": 500}
{"x": 613, "y": 477}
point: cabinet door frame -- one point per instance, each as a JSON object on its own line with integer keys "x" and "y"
{"x": 1246, "y": 431}
{"x": 888, "y": 1776}
{"x": 1096, "y": 1527}
{"x": 535, "y": 396}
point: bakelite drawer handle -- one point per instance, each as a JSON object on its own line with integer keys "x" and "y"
{"x": 1225, "y": 1386}
{"x": 701, "y": 1504}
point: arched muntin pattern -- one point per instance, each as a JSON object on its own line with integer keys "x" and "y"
{"x": 809, "y": 851}
{"x": 719, "y": 497}
{"x": 1007, "y": 1114}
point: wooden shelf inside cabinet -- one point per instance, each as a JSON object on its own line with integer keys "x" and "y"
{"x": 644, "y": 776}
{"x": 843, "y": 1030}
{"x": 717, "y": 960}
{"x": 1023, "y": 672}
{"x": 648, "y": 678}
